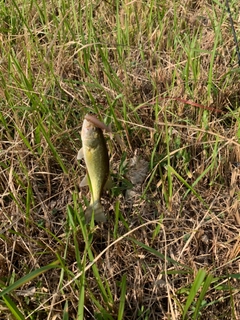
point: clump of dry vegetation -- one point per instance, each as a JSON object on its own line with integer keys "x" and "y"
{"x": 165, "y": 75}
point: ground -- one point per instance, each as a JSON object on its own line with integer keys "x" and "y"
{"x": 165, "y": 75}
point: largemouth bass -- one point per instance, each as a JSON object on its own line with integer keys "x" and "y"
{"x": 95, "y": 153}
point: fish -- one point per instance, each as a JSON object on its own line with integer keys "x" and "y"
{"x": 95, "y": 154}
{"x": 108, "y": 129}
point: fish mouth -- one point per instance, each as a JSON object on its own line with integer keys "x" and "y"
{"x": 96, "y": 122}
{"x": 89, "y": 130}
{"x": 87, "y": 125}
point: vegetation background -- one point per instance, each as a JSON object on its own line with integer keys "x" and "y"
{"x": 165, "y": 75}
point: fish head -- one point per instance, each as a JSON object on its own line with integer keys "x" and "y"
{"x": 90, "y": 134}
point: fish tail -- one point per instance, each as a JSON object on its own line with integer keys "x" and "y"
{"x": 97, "y": 208}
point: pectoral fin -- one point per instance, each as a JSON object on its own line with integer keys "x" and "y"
{"x": 109, "y": 184}
{"x": 80, "y": 154}
{"x": 84, "y": 181}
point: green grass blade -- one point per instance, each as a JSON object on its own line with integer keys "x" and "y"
{"x": 32, "y": 275}
{"x": 52, "y": 148}
{"x": 193, "y": 291}
{"x": 185, "y": 183}
{"x": 115, "y": 230}
{"x": 203, "y": 292}
{"x": 13, "y": 308}
{"x": 65, "y": 311}
{"x": 123, "y": 286}
{"x": 157, "y": 253}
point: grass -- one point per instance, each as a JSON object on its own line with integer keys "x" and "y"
{"x": 165, "y": 75}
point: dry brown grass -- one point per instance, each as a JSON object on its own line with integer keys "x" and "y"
{"x": 69, "y": 77}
